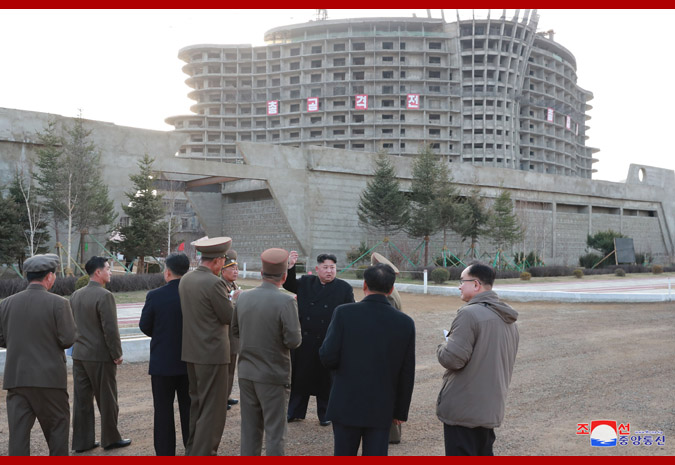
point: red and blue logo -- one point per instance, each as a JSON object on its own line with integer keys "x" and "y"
{"x": 603, "y": 433}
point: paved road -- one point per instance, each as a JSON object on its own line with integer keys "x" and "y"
{"x": 129, "y": 314}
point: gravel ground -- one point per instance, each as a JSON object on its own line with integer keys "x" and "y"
{"x": 576, "y": 363}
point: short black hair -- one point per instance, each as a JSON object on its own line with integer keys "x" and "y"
{"x": 38, "y": 275}
{"x": 482, "y": 272}
{"x": 326, "y": 256}
{"x": 94, "y": 264}
{"x": 380, "y": 278}
{"x": 178, "y": 263}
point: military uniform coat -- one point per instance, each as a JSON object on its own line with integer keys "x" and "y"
{"x": 234, "y": 340}
{"x": 36, "y": 327}
{"x": 316, "y": 303}
{"x": 268, "y": 327}
{"x": 207, "y": 313}
{"x": 98, "y": 335}
{"x": 96, "y": 348}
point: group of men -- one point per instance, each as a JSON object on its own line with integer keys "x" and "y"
{"x": 357, "y": 359}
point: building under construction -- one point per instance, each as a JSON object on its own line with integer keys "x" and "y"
{"x": 490, "y": 92}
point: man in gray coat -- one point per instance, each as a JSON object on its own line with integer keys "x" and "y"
{"x": 96, "y": 353}
{"x": 36, "y": 327}
{"x": 207, "y": 313}
{"x": 478, "y": 356}
{"x": 266, "y": 321}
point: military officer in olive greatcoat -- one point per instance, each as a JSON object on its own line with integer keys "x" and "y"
{"x": 207, "y": 314}
{"x": 36, "y": 327}
{"x": 268, "y": 326}
{"x": 230, "y": 273}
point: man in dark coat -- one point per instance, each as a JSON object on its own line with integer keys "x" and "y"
{"x": 318, "y": 295}
{"x": 370, "y": 346}
{"x": 35, "y": 327}
{"x": 162, "y": 320}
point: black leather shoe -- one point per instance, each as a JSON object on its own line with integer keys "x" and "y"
{"x": 229, "y": 406}
{"x": 118, "y": 444}
{"x": 232, "y": 401}
{"x": 96, "y": 444}
{"x": 293, "y": 420}
{"x": 325, "y": 423}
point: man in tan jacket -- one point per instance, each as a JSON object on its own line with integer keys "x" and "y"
{"x": 96, "y": 353}
{"x": 207, "y": 313}
{"x": 36, "y": 327}
{"x": 266, "y": 321}
{"x": 478, "y": 357}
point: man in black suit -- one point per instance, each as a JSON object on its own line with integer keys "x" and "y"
{"x": 162, "y": 320}
{"x": 370, "y": 348}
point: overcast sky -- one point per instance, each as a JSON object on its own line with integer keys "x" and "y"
{"x": 121, "y": 66}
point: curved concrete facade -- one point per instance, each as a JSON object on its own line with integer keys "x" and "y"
{"x": 488, "y": 92}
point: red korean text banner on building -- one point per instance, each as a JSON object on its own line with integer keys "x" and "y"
{"x": 313, "y": 104}
{"x": 361, "y": 102}
{"x": 273, "y": 107}
{"x": 413, "y": 102}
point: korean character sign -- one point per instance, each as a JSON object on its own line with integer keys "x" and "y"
{"x": 568, "y": 122}
{"x": 549, "y": 115}
{"x": 272, "y": 107}
{"x": 361, "y": 102}
{"x": 413, "y": 102}
{"x": 313, "y": 104}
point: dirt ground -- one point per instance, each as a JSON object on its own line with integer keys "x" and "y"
{"x": 576, "y": 363}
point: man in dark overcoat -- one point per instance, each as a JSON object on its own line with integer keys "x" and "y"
{"x": 96, "y": 353}
{"x": 36, "y": 327}
{"x": 318, "y": 295}
{"x": 162, "y": 320}
{"x": 207, "y": 314}
{"x": 370, "y": 346}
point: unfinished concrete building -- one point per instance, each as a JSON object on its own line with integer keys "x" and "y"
{"x": 489, "y": 92}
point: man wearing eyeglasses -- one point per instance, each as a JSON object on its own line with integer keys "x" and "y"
{"x": 478, "y": 357}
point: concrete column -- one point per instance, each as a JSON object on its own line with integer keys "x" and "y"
{"x": 590, "y": 219}
{"x": 553, "y": 230}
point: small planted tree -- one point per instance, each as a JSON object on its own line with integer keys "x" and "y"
{"x": 11, "y": 236}
{"x": 504, "y": 225}
{"x": 32, "y": 212}
{"x": 383, "y": 207}
{"x": 472, "y": 219}
{"x": 424, "y": 187}
{"x": 146, "y": 232}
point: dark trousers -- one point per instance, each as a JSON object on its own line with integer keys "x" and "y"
{"x": 49, "y": 406}
{"x": 297, "y": 406}
{"x": 346, "y": 440}
{"x": 230, "y": 374}
{"x": 460, "y": 440}
{"x": 94, "y": 380}
{"x": 164, "y": 390}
